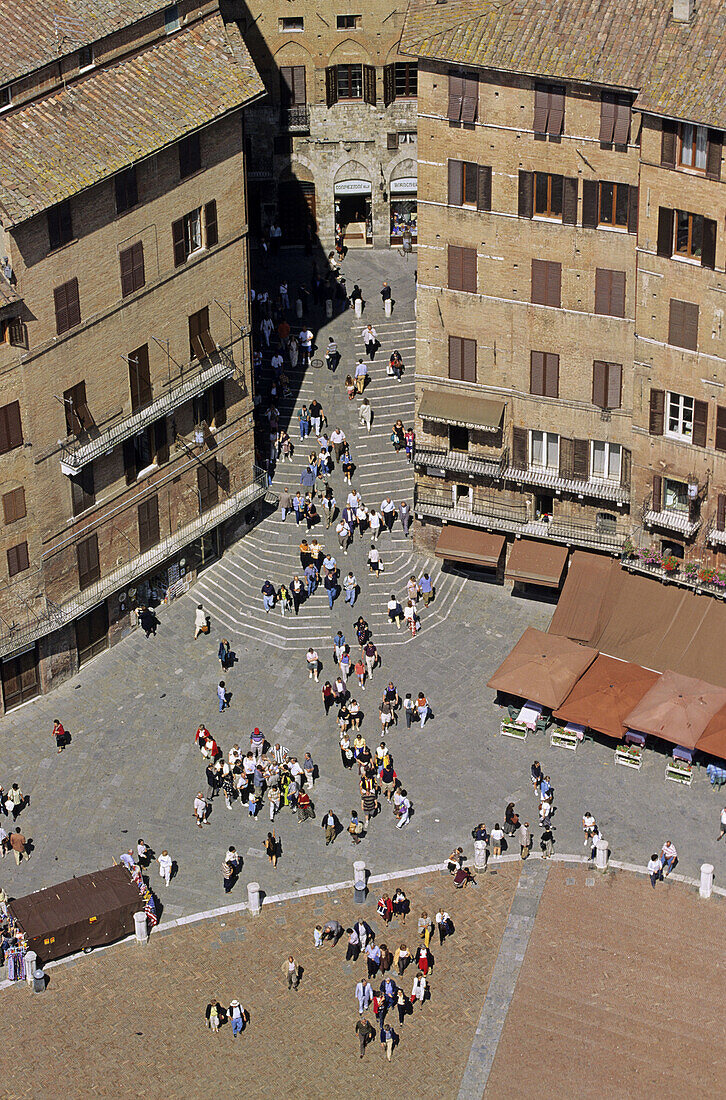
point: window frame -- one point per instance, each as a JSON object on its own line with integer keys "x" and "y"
{"x": 172, "y": 19}
{"x": 349, "y": 67}
{"x": 683, "y": 127}
{"x": 282, "y": 28}
{"x": 123, "y": 191}
{"x": 548, "y": 438}
{"x": 621, "y": 193}
{"x": 189, "y": 149}
{"x": 60, "y": 225}
{"x": 11, "y": 427}
{"x": 548, "y": 214}
{"x": 18, "y": 558}
{"x": 75, "y": 403}
{"x": 347, "y": 22}
{"x": 688, "y": 254}
{"x": 84, "y": 68}
{"x": 679, "y": 402}
{"x": 67, "y": 304}
{"x": 14, "y": 505}
{"x": 131, "y": 269}
{"x": 408, "y": 81}
{"x": 609, "y": 449}
{"x": 677, "y": 508}
{"x": 6, "y": 97}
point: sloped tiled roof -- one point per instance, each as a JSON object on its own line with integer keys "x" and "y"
{"x": 55, "y": 147}
{"x": 36, "y": 32}
{"x": 680, "y": 69}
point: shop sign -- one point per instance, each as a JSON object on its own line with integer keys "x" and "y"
{"x": 404, "y": 185}
{"x": 352, "y": 187}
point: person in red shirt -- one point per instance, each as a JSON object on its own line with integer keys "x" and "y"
{"x": 60, "y": 735}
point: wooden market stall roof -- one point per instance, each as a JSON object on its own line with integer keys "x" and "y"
{"x": 605, "y": 694}
{"x": 677, "y": 709}
{"x": 542, "y": 667}
{"x": 536, "y": 562}
{"x": 469, "y": 545}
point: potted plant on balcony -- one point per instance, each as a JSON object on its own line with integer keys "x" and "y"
{"x": 692, "y": 570}
{"x": 670, "y": 563}
{"x": 707, "y": 575}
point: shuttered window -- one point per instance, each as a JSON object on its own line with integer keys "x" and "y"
{"x": 549, "y": 110}
{"x": 148, "y": 515}
{"x": 67, "y": 306}
{"x": 666, "y": 220}
{"x": 657, "y": 496}
{"x": 293, "y": 92}
{"x": 700, "y": 423}
{"x": 211, "y": 231}
{"x": 546, "y": 283}
{"x": 140, "y": 377}
{"x": 721, "y": 428}
{"x": 392, "y": 143}
{"x": 714, "y": 154}
{"x": 389, "y": 84}
{"x": 18, "y": 560}
{"x": 520, "y": 448}
{"x": 614, "y": 118}
{"x": 470, "y": 184}
{"x": 669, "y": 131}
{"x": 607, "y": 380}
{"x": 369, "y": 84}
{"x": 208, "y": 485}
{"x": 609, "y": 292}
{"x": 14, "y": 505}
{"x": 60, "y": 225}
{"x": 581, "y": 459}
{"x": 484, "y": 188}
{"x": 331, "y": 85}
{"x": 83, "y": 491}
{"x": 683, "y": 324}
{"x": 11, "y": 428}
{"x": 190, "y": 155}
{"x": 349, "y": 81}
{"x": 721, "y": 512}
{"x": 78, "y": 416}
{"x": 462, "y": 269}
{"x": 525, "y": 205}
{"x": 462, "y": 359}
{"x": 89, "y": 568}
{"x": 544, "y": 374}
{"x": 126, "y": 189}
{"x": 657, "y": 412}
{"x": 463, "y": 97}
{"x": 131, "y": 261}
{"x": 547, "y": 195}
{"x": 199, "y": 333}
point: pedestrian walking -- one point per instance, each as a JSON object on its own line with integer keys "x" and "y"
{"x": 330, "y": 824}
{"x": 291, "y": 971}
{"x": 271, "y": 848}
{"x": 229, "y": 876}
{"x": 546, "y": 842}
{"x": 306, "y": 346}
{"x": 353, "y": 949}
{"x": 332, "y": 356}
{"x": 654, "y": 869}
{"x": 330, "y": 584}
{"x": 364, "y": 994}
{"x": 388, "y": 511}
{"x": 223, "y": 696}
{"x": 426, "y": 589}
{"x": 388, "y": 1038}
{"x": 237, "y": 1016}
{"x": 370, "y": 340}
{"x": 201, "y": 809}
{"x": 374, "y": 561}
{"x": 418, "y": 990}
{"x": 350, "y": 587}
{"x": 201, "y": 621}
{"x": 18, "y": 845}
{"x": 268, "y": 596}
{"x": 422, "y": 708}
{"x": 313, "y": 663}
{"x": 360, "y": 376}
{"x": 404, "y": 514}
{"x": 365, "y": 414}
{"x": 223, "y": 654}
{"x": 525, "y": 840}
{"x": 212, "y": 1015}
{"x": 365, "y": 1031}
{"x": 395, "y": 611}
{"x": 411, "y": 618}
{"x": 443, "y": 924}
{"x": 60, "y": 736}
{"x": 316, "y": 415}
{"x": 165, "y": 866}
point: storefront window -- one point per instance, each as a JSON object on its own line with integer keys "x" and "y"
{"x": 403, "y": 209}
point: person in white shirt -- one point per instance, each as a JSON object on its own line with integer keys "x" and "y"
{"x": 654, "y": 869}
{"x": 284, "y": 296}
{"x": 237, "y": 1016}
{"x": 497, "y": 836}
{"x": 723, "y": 824}
{"x": 306, "y": 346}
{"x": 313, "y": 665}
{"x": 266, "y": 327}
{"x": 365, "y": 414}
{"x": 388, "y": 509}
{"x": 404, "y": 809}
{"x": 418, "y": 991}
{"x": 361, "y": 373}
{"x": 588, "y": 825}
{"x": 374, "y": 522}
{"x": 394, "y": 611}
{"x": 200, "y": 809}
{"x": 442, "y": 923}
{"x": 370, "y": 339}
{"x": 165, "y": 865}
{"x": 276, "y": 361}
{"x": 668, "y": 857}
{"x": 200, "y": 621}
{"x": 342, "y": 530}
{"x": 296, "y": 770}
{"x": 374, "y": 559}
{"x": 361, "y": 516}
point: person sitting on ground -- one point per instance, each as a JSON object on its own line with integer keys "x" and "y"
{"x": 455, "y": 861}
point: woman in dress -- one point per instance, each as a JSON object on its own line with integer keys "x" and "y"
{"x": 346, "y": 752}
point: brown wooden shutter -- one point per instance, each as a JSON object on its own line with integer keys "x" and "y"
{"x": 161, "y": 442}
{"x": 537, "y": 373}
{"x": 131, "y": 261}
{"x": 708, "y": 249}
{"x": 125, "y": 262}
{"x": 299, "y": 88}
{"x": 67, "y": 306}
{"x": 11, "y": 429}
{"x": 369, "y": 84}
{"x": 581, "y": 459}
{"x": 551, "y": 375}
{"x": 18, "y": 560}
{"x": 625, "y": 463}
{"x": 83, "y": 492}
{"x": 622, "y": 120}
{"x": 392, "y": 142}
{"x": 129, "y": 456}
{"x": 484, "y": 187}
{"x": 607, "y": 118}
{"x": 669, "y": 130}
{"x": 455, "y": 264}
{"x": 456, "y": 183}
{"x": 286, "y": 86}
{"x": 683, "y": 325}
{"x": 520, "y": 440}
{"x": 566, "y": 457}
{"x": 17, "y": 333}
{"x": 556, "y": 120}
{"x": 89, "y": 569}
{"x": 700, "y": 423}
{"x": 632, "y": 210}
{"x": 554, "y": 284}
{"x": 665, "y": 231}
{"x": 455, "y": 358}
{"x": 470, "y": 99}
{"x": 721, "y": 512}
{"x": 14, "y": 505}
{"x": 208, "y": 485}
{"x": 219, "y": 404}
{"x": 140, "y": 377}
{"x": 613, "y": 394}
{"x": 456, "y": 96}
{"x": 657, "y": 412}
{"x": 468, "y": 360}
{"x": 211, "y": 231}
{"x": 675, "y": 323}
{"x": 525, "y": 207}
{"x": 603, "y": 290}
{"x": 720, "y": 428}
{"x": 148, "y": 514}
{"x": 389, "y": 84}
{"x": 589, "y": 204}
{"x": 468, "y": 270}
{"x": 331, "y": 85}
{"x": 714, "y": 152}
{"x": 599, "y": 384}
{"x": 569, "y": 200}
{"x": 539, "y": 282}
{"x": 177, "y": 233}
{"x": 617, "y": 295}
{"x": 541, "y": 110}
{"x": 657, "y": 492}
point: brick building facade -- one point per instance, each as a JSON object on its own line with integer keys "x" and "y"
{"x": 334, "y": 142}
{"x": 571, "y": 354}
{"x": 126, "y": 440}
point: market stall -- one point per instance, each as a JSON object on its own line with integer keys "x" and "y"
{"x": 87, "y": 911}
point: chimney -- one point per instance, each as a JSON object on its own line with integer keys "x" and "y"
{"x": 683, "y": 10}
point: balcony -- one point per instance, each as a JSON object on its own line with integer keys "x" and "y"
{"x": 259, "y": 169}
{"x": 77, "y": 453}
{"x": 460, "y": 462}
{"x": 680, "y": 522}
{"x": 295, "y": 119}
{"x": 552, "y": 479}
{"x": 55, "y": 616}
{"x": 493, "y": 516}
{"x": 716, "y": 536}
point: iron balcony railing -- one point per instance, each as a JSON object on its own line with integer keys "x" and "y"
{"x": 57, "y": 615}
{"x": 459, "y": 462}
{"x": 78, "y": 452}
{"x": 295, "y": 118}
{"x": 494, "y": 516}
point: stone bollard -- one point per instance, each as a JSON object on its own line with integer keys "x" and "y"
{"x": 328, "y": 308}
{"x": 31, "y": 963}
{"x": 601, "y": 854}
{"x": 706, "y": 886}
{"x": 253, "y": 898}
{"x": 480, "y": 855}
{"x": 388, "y": 307}
{"x": 39, "y": 981}
{"x": 415, "y": 307}
{"x": 298, "y": 308}
{"x": 359, "y": 881}
{"x": 359, "y": 307}
{"x": 141, "y": 927}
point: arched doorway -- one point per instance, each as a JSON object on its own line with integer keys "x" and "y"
{"x": 352, "y": 193}
{"x": 404, "y": 203}
{"x": 296, "y": 203}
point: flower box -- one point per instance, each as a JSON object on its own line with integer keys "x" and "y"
{"x": 513, "y": 729}
{"x": 561, "y": 738}
{"x": 679, "y": 772}
{"x": 630, "y": 756}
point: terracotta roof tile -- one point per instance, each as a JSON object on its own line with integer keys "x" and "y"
{"x": 679, "y": 69}
{"x": 60, "y": 145}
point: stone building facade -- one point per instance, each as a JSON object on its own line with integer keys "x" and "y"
{"x": 126, "y": 439}
{"x": 334, "y": 142}
{"x": 571, "y": 354}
